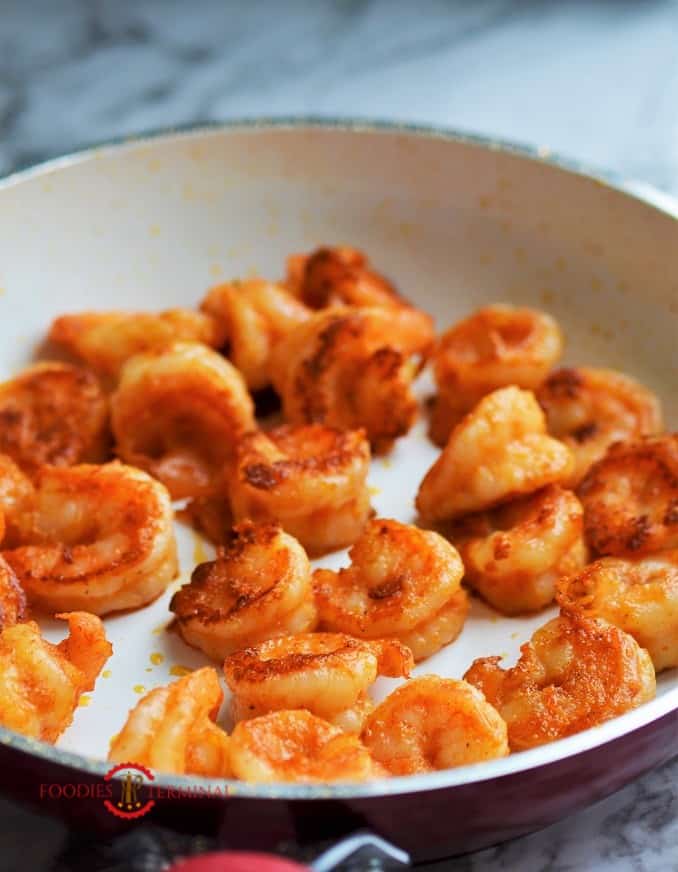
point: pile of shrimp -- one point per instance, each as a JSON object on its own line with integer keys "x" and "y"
{"x": 551, "y": 484}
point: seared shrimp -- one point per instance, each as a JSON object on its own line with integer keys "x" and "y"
{"x": 41, "y": 683}
{"x": 297, "y": 746}
{"x": 327, "y": 674}
{"x": 258, "y": 588}
{"x": 630, "y": 498}
{"x": 638, "y": 596}
{"x": 343, "y": 276}
{"x": 589, "y": 409}
{"x": 173, "y": 729}
{"x": 514, "y": 555}
{"x": 494, "y": 347}
{"x": 497, "y": 452}
{"x": 178, "y": 413}
{"x": 105, "y": 340}
{"x": 97, "y": 538}
{"x": 312, "y": 480}
{"x": 348, "y": 368}
{"x": 433, "y": 723}
{"x": 16, "y": 501}
{"x": 576, "y": 672}
{"x": 403, "y": 583}
{"x": 53, "y": 413}
{"x": 253, "y": 316}
{"x": 12, "y": 597}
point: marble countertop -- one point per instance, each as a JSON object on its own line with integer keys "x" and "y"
{"x": 596, "y": 80}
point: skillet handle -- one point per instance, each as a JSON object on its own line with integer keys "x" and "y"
{"x": 355, "y": 853}
{"x": 360, "y": 851}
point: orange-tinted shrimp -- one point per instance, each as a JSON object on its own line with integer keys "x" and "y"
{"x": 311, "y": 480}
{"x": 298, "y": 746}
{"x": 575, "y": 672}
{"x": 178, "y": 414}
{"x": 590, "y": 409}
{"x": 173, "y": 729}
{"x": 253, "y": 316}
{"x": 499, "y": 451}
{"x": 105, "y": 340}
{"x": 53, "y": 413}
{"x": 41, "y": 683}
{"x": 630, "y": 498}
{"x": 496, "y": 346}
{"x": 342, "y": 276}
{"x": 348, "y": 368}
{"x": 258, "y": 588}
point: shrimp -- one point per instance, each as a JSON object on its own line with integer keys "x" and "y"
{"x": 514, "y": 555}
{"x": 106, "y": 340}
{"x": 432, "y": 723}
{"x": 310, "y": 479}
{"x": 173, "y": 729}
{"x": 13, "y": 608}
{"x": 348, "y": 368}
{"x": 638, "y": 596}
{"x": 253, "y": 316}
{"x": 494, "y": 347}
{"x": 16, "y": 499}
{"x": 178, "y": 413}
{"x": 403, "y": 583}
{"x": 589, "y": 409}
{"x": 342, "y": 276}
{"x": 327, "y": 674}
{"x": 298, "y": 746}
{"x": 575, "y": 673}
{"x": 96, "y": 538}
{"x": 41, "y": 683}
{"x": 53, "y": 413}
{"x": 258, "y": 588}
{"x": 497, "y": 452}
{"x": 630, "y": 498}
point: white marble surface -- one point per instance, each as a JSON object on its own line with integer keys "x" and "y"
{"x": 594, "y": 79}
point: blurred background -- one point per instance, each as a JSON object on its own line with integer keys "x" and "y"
{"x": 594, "y": 79}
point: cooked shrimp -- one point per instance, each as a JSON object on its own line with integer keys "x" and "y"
{"x": 312, "y": 480}
{"x": 514, "y": 555}
{"x": 178, "y": 413}
{"x": 589, "y": 409}
{"x": 342, "y": 276}
{"x": 253, "y": 316}
{"x": 297, "y": 746}
{"x": 41, "y": 683}
{"x": 630, "y": 498}
{"x": 327, "y": 674}
{"x": 12, "y": 597}
{"x": 347, "y": 368}
{"x": 105, "y": 340}
{"x": 576, "y": 672}
{"x": 97, "y": 538}
{"x": 403, "y": 583}
{"x": 258, "y": 588}
{"x": 16, "y": 500}
{"x": 53, "y": 413}
{"x": 638, "y": 596}
{"x": 173, "y": 729}
{"x": 432, "y": 723}
{"x": 494, "y": 347}
{"x": 497, "y": 452}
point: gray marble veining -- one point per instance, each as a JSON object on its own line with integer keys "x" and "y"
{"x": 596, "y": 80}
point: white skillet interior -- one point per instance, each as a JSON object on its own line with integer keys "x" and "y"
{"x": 152, "y": 224}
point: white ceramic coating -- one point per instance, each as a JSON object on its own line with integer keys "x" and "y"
{"x": 153, "y": 224}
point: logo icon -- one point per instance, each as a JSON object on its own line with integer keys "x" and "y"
{"x": 131, "y": 802}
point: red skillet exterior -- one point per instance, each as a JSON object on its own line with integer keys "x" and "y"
{"x": 428, "y": 824}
